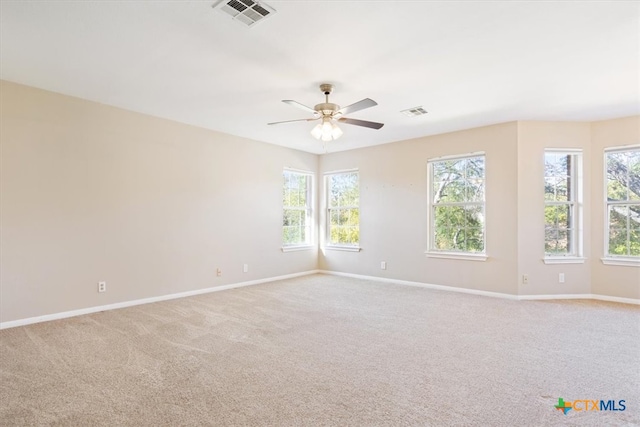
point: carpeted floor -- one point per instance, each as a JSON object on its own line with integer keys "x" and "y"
{"x": 323, "y": 350}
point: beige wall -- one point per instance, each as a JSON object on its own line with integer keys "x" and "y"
{"x": 393, "y": 224}
{"x": 619, "y": 281}
{"x": 153, "y": 207}
{"x": 533, "y": 139}
{"x": 91, "y": 192}
{"x": 393, "y": 210}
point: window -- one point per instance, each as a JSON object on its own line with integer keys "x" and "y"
{"x": 457, "y": 202}
{"x": 623, "y": 202}
{"x": 343, "y": 213}
{"x": 296, "y": 209}
{"x": 562, "y": 196}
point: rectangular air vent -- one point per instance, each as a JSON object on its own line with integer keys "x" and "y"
{"x": 247, "y": 12}
{"x": 415, "y": 111}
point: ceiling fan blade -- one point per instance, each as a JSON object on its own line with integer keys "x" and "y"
{"x": 291, "y": 121}
{"x": 360, "y": 105}
{"x": 297, "y": 104}
{"x": 372, "y": 125}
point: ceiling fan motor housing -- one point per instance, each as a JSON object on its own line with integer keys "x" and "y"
{"x": 326, "y": 88}
{"x": 330, "y": 112}
{"x": 326, "y": 108}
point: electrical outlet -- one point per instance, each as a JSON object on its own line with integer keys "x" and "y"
{"x": 218, "y": 272}
{"x": 383, "y": 265}
{"x": 561, "y": 278}
{"x": 245, "y": 268}
{"x": 102, "y": 286}
{"x": 525, "y": 279}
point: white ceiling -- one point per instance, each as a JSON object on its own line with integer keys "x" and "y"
{"x": 468, "y": 63}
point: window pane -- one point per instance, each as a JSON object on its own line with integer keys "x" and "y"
{"x": 561, "y": 189}
{"x": 452, "y": 192}
{"x": 334, "y": 217}
{"x": 561, "y": 198}
{"x": 343, "y": 198}
{"x": 562, "y": 216}
{"x": 344, "y": 190}
{"x": 634, "y": 175}
{"x": 617, "y": 176}
{"x": 615, "y": 190}
{"x": 634, "y": 217}
{"x": 562, "y": 241}
{"x": 475, "y": 168}
{"x": 475, "y": 240}
{"x": 474, "y": 190}
{"x": 458, "y": 189}
{"x": 617, "y": 241}
{"x": 448, "y": 170}
{"x": 550, "y": 219}
{"x": 474, "y": 217}
{"x": 550, "y": 188}
{"x": 296, "y": 208}
{"x": 550, "y": 240}
{"x": 618, "y": 216}
{"x": 634, "y": 230}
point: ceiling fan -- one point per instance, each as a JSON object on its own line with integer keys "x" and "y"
{"x": 330, "y": 113}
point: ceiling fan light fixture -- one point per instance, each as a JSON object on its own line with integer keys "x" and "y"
{"x": 326, "y": 126}
{"x": 327, "y": 130}
{"x": 316, "y": 132}
{"x": 336, "y": 132}
{"x": 329, "y": 113}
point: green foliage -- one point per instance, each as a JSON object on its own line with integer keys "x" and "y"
{"x": 344, "y": 212}
{"x": 558, "y": 229}
{"x": 458, "y": 204}
{"x": 623, "y": 194}
{"x": 560, "y": 204}
{"x": 295, "y": 215}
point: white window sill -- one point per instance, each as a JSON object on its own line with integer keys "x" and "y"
{"x": 344, "y": 248}
{"x": 457, "y": 255}
{"x": 297, "y": 248}
{"x": 564, "y": 260}
{"x": 624, "y": 261}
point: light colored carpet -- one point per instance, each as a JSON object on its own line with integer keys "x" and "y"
{"x": 321, "y": 351}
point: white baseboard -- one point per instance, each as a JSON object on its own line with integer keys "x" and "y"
{"x": 424, "y": 285}
{"x": 80, "y": 312}
{"x": 553, "y": 296}
{"x": 616, "y": 299}
{"x": 487, "y": 293}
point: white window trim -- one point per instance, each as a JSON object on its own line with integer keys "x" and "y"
{"x": 578, "y": 190}
{"x": 467, "y": 256}
{"x": 311, "y": 216}
{"x": 344, "y": 248}
{"x": 621, "y": 261}
{"x": 327, "y": 234}
{"x": 434, "y": 253}
{"x": 294, "y": 248}
{"x": 626, "y": 261}
{"x": 564, "y": 260}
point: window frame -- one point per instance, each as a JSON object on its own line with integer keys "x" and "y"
{"x": 432, "y": 251}
{"x": 611, "y": 259}
{"x": 576, "y": 190}
{"x": 309, "y": 212}
{"x": 328, "y": 244}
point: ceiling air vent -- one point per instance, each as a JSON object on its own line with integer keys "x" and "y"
{"x": 415, "y": 111}
{"x": 247, "y": 12}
